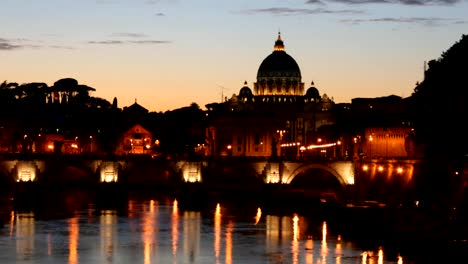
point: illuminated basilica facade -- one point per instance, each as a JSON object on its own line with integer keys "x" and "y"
{"x": 276, "y": 119}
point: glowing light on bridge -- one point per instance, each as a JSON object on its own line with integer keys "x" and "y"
{"x": 191, "y": 172}
{"x": 391, "y": 169}
{"x": 109, "y": 172}
{"x": 273, "y": 173}
{"x": 26, "y": 172}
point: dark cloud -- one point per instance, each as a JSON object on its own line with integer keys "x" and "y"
{"x": 401, "y": 2}
{"x": 61, "y": 47}
{"x": 314, "y": 2}
{"x": 8, "y": 46}
{"x": 160, "y": 14}
{"x": 426, "y": 21}
{"x": 19, "y": 43}
{"x": 107, "y": 42}
{"x": 286, "y": 11}
{"x": 149, "y": 41}
{"x": 118, "y": 42}
{"x": 12, "y": 44}
{"x": 129, "y": 35}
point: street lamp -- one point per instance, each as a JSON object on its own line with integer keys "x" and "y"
{"x": 370, "y": 146}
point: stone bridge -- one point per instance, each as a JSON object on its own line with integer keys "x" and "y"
{"x": 270, "y": 172}
{"x": 140, "y": 170}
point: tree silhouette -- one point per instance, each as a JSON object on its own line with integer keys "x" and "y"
{"x": 440, "y": 105}
{"x": 7, "y": 93}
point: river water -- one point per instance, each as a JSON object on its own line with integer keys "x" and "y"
{"x": 77, "y": 226}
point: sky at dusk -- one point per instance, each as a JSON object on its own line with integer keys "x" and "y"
{"x": 170, "y": 53}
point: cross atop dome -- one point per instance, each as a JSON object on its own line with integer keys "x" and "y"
{"x": 279, "y": 45}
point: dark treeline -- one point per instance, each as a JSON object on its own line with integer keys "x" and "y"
{"x": 32, "y": 110}
{"x": 439, "y": 108}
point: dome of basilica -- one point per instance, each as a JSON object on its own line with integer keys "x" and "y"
{"x": 279, "y": 73}
{"x": 278, "y": 64}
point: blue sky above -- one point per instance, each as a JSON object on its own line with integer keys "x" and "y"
{"x": 168, "y": 54}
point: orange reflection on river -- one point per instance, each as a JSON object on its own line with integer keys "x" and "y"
{"x": 175, "y": 230}
{"x": 74, "y": 230}
{"x": 149, "y": 229}
{"x": 217, "y": 232}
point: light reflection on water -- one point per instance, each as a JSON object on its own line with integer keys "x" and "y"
{"x": 158, "y": 231}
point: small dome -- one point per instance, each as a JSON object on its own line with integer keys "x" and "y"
{"x": 312, "y": 92}
{"x": 245, "y": 91}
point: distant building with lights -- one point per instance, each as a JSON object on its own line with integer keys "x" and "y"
{"x": 383, "y": 127}
{"x": 276, "y": 118}
{"x": 136, "y": 140}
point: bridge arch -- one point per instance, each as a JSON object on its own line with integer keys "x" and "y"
{"x": 343, "y": 179}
